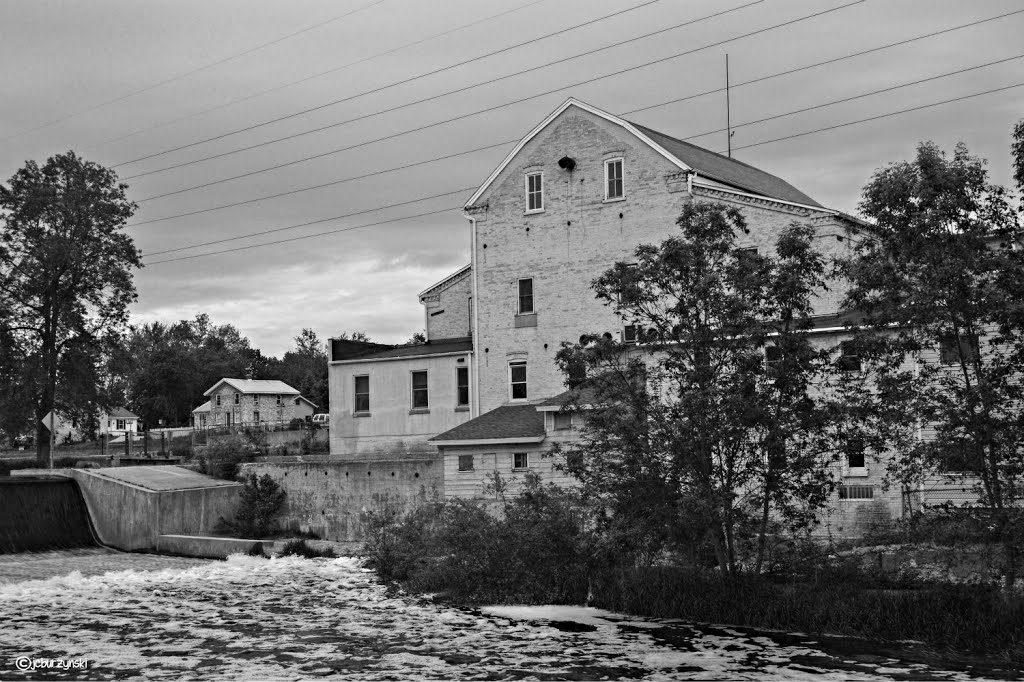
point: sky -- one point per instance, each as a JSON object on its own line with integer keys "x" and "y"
{"x": 145, "y": 87}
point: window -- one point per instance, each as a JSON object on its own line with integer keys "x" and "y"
{"x": 218, "y": 400}
{"x": 563, "y": 420}
{"x": 849, "y": 359}
{"x": 256, "y": 416}
{"x": 238, "y": 398}
{"x": 855, "y": 454}
{"x": 362, "y": 394}
{"x": 120, "y": 425}
{"x": 462, "y": 386}
{"x": 256, "y": 402}
{"x": 856, "y": 492}
{"x": 534, "y": 192}
{"x": 278, "y": 398}
{"x": 420, "y": 399}
{"x": 630, "y": 333}
{"x": 951, "y": 352}
{"x": 526, "y": 296}
{"x": 613, "y": 179}
{"x": 520, "y": 460}
{"x": 772, "y": 359}
{"x": 517, "y": 380}
{"x": 465, "y": 462}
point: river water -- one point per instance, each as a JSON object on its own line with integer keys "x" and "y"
{"x": 145, "y": 616}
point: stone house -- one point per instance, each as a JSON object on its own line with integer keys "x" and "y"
{"x": 250, "y": 402}
{"x": 578, "y": 193}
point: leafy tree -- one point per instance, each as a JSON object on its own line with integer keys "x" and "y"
{"x": 65, "y": 270}
{"x": 305, "y": 368}
{"x": 940, "y": 287}
{"x": 417, "y": 339}
{"x": 692, "y": 439}
{"x": 1017, "y": 150}
{"x": 355, "y": 336}
{"x": 260, "y": 502}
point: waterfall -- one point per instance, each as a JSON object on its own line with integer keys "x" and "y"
{"x": 42, "y": 513}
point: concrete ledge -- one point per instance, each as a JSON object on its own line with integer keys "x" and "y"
{"x": 36, "y": 473}
{"x": 206, "y": 547}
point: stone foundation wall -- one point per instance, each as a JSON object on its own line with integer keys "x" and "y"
{"x": 329, "y": 497}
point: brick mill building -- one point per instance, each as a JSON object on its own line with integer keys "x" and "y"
{"x": 578, "y": 193}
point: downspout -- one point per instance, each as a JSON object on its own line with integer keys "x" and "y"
{"x": 474, "y": 383}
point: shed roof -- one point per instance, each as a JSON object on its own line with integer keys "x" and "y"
{"x": 510, "y": 423}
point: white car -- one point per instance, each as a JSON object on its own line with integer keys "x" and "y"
{"x": 322, "y": 420}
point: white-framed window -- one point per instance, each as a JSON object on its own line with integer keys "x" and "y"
{"x": 517, "y": 380}
{"x": 420, "y": 393}
{"x": 849, "y": 358}
{"x": 256, "y": 402}
{"x": 362, "y": 394}
{"x": 256, "y": 416}
{"x": 218, "y": 400}
{"x": 120, "y": 425}
{"x": 613, "y": 189}
{"x": 950, "y": 351}
{"x": 465, "y": 462}
{"x": 238, "y": 398}
{"x": 535, "y": 192}
{"x": 562, "y": 421}
{"x": 462, "y": 386}
{"x": 856, "y": 462}
{"x": 525, "y": 296}
{"x": 278, "y": 398}
{"x": 520, "y": 460}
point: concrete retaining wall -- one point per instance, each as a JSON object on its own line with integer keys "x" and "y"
{"x": 329, "y": 497}
{"x": 130, "y": 517}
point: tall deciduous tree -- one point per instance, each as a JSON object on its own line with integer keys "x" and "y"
{"x": 941, "y": 285}
{"x": 692, "y": 437}
{"x": 65, "y": 267}
{"x": 305, "y": 368}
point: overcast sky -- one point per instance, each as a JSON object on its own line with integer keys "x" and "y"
{"x": 116, "y": 81}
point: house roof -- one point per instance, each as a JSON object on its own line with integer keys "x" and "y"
{"x": 120, "y": 413}
{"x": 436, "y": 347}
{"x": 683, "y": 155}
{"x": 459, "y": 274}
{"x": 302, "y": 397}
{"x": 730, "y": 171}
{"x": 254, "y": 386}
{"x": 508, "y": 423}
{"x": 205, "y": 407}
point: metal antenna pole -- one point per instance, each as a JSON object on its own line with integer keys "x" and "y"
{"x": 728, "y": 122}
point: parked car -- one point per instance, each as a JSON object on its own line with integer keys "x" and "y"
{"x": 322, "y": 420}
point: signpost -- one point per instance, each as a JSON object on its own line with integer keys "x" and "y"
{"x": 50, "y": 416}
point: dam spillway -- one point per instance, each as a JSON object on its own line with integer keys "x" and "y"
{"x": 42, "y": 513}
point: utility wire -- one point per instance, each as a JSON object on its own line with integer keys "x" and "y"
{"x": 439, "y": 96}
{"x": 470, "y": 151}
{"x": 311, "y": 236}
{"x": 496, "y": 107}
{"x": 860, "y": 96}
{"x": 320, "y": 186}
{"x": 336, "y": 69}
{"x": 830, "y": 61}
{"x": 186, "y": 74}
{"x": 880, "y": 116}
{"x": 756, "y": 144}
{"x": 313, "y": 222}
{"x": 388, "y": 86}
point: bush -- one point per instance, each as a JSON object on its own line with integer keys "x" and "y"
{"x": 260, "y": 502}
{"x": 9, "y": 465}
{"x": 224, "y": 458}
{"x": 301, "y": 548}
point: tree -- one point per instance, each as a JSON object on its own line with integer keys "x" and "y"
{"x": 693, "y": 438}
{"x": 1017, "y": 151}
{"x": 65, "y": 268}
{"x": 940, "y": 285}
{"x": 305, "y": 368}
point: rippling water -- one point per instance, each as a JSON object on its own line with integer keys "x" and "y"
{"x": 136, "y": 615}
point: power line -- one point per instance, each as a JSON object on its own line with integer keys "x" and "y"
{"x": 320, "y": 186}
{"x": 880, "y": 116}
{"x": 860, "y": 96}
{"x": 829, "y": 61}
{"x": 756, "y": 80}
{"x": 314, "y": 76}
{"x": 313, "y": 222}
{"x": 756, "y": 144}
{"x": 295, "y": 239}
{"x": 186, "y": 74}
{"x": 496, "y": 107}
{"x": 388, "y": 86}
{"x": 439, "y": 96}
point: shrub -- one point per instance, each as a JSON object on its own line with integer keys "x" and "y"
{"x": 302, "y": 548}
{"x": 9, "y": 465}
{"x": 260, "y": 502}
{"x": 223, "y": 459}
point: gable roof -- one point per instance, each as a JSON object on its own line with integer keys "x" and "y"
{"x": 205, "y": 407}
{"x": 683, "y": 155}
{"x": 462, "y": 344}
{"x": 254, "y": 386}
{"x": 120, "y": 413}
{"x": 304, "y": 398}
{"x": 456, "y": 276}
{"x": 505, "y": 424}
